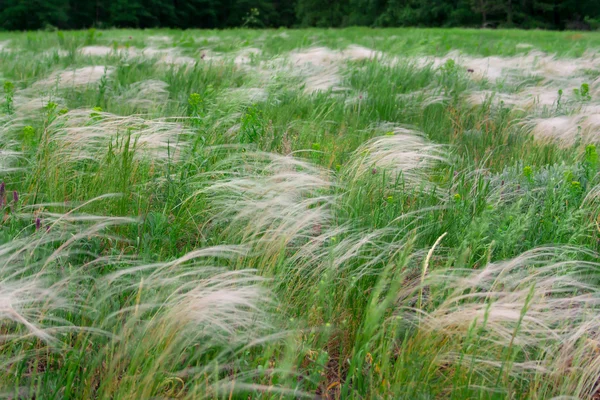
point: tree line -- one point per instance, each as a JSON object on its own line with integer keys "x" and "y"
{"x": 78, "y": 14}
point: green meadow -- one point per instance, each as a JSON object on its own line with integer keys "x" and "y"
{"x": 282, "y": 214}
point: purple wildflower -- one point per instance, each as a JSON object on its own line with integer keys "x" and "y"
{"x": 374, "y": 171}
{"x": 2, "y": 189}
{"x": 15, "y": 196}
{"x": 38, "y": 223}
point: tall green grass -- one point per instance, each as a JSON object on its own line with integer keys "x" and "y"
{"x": 211, "y": 230}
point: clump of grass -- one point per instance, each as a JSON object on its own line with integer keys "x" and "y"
{"x": 400, "y": 153}
{"x": 82, "y": 133}
{"x": 77, "y": 77}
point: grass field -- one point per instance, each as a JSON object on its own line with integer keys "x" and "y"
{"x": 336, "y": 214}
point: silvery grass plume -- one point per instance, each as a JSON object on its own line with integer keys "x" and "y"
{"x": 402, "y": 154}
{"x": 563, "y": 130}
{"x": 87, "y": 134}
{"x": 171, "y": 57}
{"x": 97, "y": 50}
{"x": 580, "y": 124}
{"x": 513, "y": 69}
{"x": 194, "y": 291}
{"x": 528, "y": 98}
{"x": 28, "y": 303}
{"x": 75, "y": 78}
{"x": 30, "y": 108}
{"x": 244, "y": 96}
{"x": 278, "y": 203}
{"x": 146, "y": 95}
{"x": 323, "y": 80}
{"x": 30, "y": 104}
{"x": 55, "y": 53}
{"x": 320, "y": 67}
{"x": 32, "y": 294}
{"x": 191, "y": 313}
{"x": 103, "y": 51}
{"x": 9, "y": 160}
{"x": 322, "y": 56}
{"x": 311, "y": 68}
{"x": 592, "y": 199}
{"x": 345, "y": 251}
{"x": 424, "y": 97}
{"x": 534, "y": 315}
{"x": 159, "y": 40}
{"x": 273, "y": 199}
{"x": 480, "y": 97}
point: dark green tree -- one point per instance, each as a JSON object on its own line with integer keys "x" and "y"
{"x": 197, "y": 13}
{"x": 126, "y": 13}
{"x": 159, "y": 13}
{"x": 34, "y": 14}
{"x": 322, "y": 13}
{"x": 184, "y": 14}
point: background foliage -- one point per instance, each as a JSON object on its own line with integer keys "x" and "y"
{"x": 75, "y": 14}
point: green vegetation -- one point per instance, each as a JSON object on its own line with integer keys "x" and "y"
{"x": 351, "y": 214}
{"x": 75, "y": 14}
